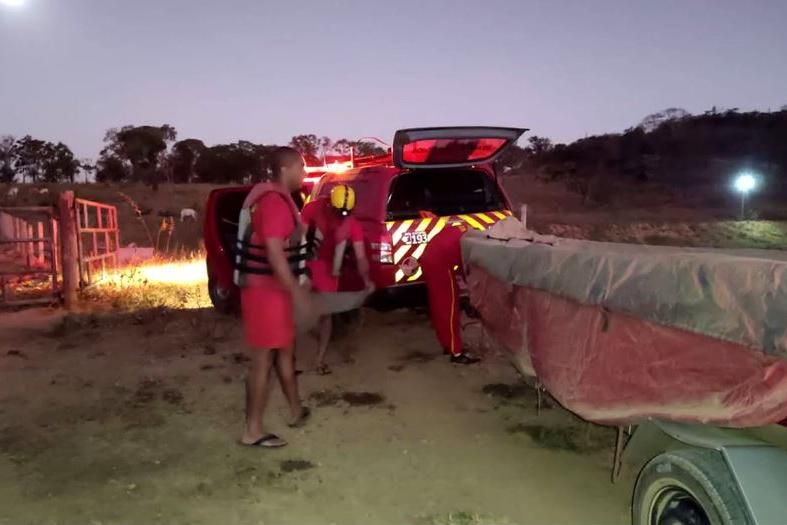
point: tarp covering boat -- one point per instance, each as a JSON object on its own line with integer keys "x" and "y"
{"x": 618, "y": 333}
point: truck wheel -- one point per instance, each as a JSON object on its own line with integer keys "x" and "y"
{"x": 220, "y": 297}
{"x": 688, "y": 487}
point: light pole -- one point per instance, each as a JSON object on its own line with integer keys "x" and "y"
{"x": 744, "y": 184}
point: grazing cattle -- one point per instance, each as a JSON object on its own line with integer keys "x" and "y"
{"x": 43, "y": 191}
{"x": 188, "y": 212}
{"x": 13, "y": 192}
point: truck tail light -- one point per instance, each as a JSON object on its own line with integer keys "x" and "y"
{"x": 382, "y": 251}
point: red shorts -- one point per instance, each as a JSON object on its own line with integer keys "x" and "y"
{"x": 267, "y": 317}
{"x": 322, "y": 276}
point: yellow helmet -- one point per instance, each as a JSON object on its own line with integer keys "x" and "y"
{"x": 343, "y": 198}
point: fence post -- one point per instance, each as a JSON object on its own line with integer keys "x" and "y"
{"x": 68, "y": 231}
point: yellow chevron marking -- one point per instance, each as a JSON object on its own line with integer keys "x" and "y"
{"x": 415, "y": 276}
{"x": 484, "y": 217}
{"x": 397, "y": 236}
{"x": 423, "y": 224}
{"x": 389, "y": 225}
{"x": 498, "y": 215}
{"x": 472, "y": 222}
{"x": 437, "y": 229}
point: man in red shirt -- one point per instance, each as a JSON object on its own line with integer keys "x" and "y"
{"x": 440, "y": 262}
{"x": 333, "y": 228}
{"x": 269, "y": 290}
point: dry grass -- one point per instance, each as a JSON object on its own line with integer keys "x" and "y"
{"x": 160, "y": 283}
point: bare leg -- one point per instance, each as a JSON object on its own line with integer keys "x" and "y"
{"x": 285, "y": 369}
{"x": 326, "y": 326}
{"x": 257, "y": 388}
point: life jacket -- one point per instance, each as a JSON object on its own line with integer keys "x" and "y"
{"x": 249, "y": 258}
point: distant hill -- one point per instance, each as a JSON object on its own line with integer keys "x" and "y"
{"x": 691, "y": 159}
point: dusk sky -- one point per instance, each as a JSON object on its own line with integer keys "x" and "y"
{"x": 264, "y": 71}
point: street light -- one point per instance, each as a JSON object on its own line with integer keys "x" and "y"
{"x": 744, "y": 184}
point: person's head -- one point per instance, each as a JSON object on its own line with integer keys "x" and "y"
{"x": 342, "y": 199}
{"x": 288, "y": 168}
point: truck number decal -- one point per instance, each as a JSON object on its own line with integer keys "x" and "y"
{"x": 415, "y": 238}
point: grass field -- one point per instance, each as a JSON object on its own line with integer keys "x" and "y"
{"x": 644, "y": 216}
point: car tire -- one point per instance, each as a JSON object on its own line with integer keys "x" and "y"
{"x": 222, "y": 299}
{"x": 693, "y": 486}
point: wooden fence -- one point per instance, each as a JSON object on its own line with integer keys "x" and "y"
{"x": 48, "y": 254}
{"x": 29, "y": 255}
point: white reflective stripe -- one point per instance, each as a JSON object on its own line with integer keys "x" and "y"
{"x": 401, "y": 252}
{"x": 437, "y": 229}
{"x": 399, "y": 276}
{"x": 397, "y": 236}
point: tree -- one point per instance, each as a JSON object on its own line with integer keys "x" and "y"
{"x": 654, "y": 120}
{"x": 360, "y": 148}
{"x": 308, "y": 145}
{"x": 58, "y": 163}
{"x": 7, "y": 171}
{"x": 111, "y": 169}
{"x": 183, "y": 159}
{"x": 539, "y": 146}
{"x": 343, "y": 146}
{"x": 87, "y": 167}
{"x": 363, "y": 148}
{"x": 29, "y": 154}
{"x": 142, "y": 147}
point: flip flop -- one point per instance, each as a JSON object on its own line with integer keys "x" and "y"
{"x": 267, "y": 441}
{"x": 302, "y": 418}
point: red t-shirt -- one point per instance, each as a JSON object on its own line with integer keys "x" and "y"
{"x": 334, "y": 229}
{"x": 271, "y": 218}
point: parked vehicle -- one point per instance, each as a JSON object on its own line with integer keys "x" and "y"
{"x": 434, "y": 177}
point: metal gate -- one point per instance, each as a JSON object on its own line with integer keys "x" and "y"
{"x": 29, "y": 256}
{"x": 98, "y": 240}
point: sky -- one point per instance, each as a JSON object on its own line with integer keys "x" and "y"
{"x": 263, "y": 71}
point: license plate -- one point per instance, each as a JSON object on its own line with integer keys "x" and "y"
{"x": 415, "y": 238}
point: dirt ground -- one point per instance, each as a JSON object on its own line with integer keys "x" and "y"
{"x": 134, "y": 419}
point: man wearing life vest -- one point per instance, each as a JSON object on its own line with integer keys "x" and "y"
{"x": 332, "y": 227}
{"x": 269, "y": 267}
{"x": 440, "y": 262}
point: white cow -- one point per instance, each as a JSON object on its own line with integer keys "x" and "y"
{"x": 43, "y": 191}
{"x": 188, "y": 212}
{"x": 13, "y": 192}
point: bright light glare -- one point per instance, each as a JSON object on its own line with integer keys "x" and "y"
{"x": 745, "y": 182}
{"x": 13, "y": 3}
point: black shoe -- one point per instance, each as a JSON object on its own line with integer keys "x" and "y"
{"x": 464, "y": 359}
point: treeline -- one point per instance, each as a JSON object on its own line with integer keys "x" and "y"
{"x": 671, "y": 149}
{"x": 152, "y": 154}
{"x": 33, "y": 160}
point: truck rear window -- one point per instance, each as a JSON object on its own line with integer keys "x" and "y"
{"x": 443, "y": 192}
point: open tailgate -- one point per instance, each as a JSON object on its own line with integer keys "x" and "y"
{"x": 450, "y": 147}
